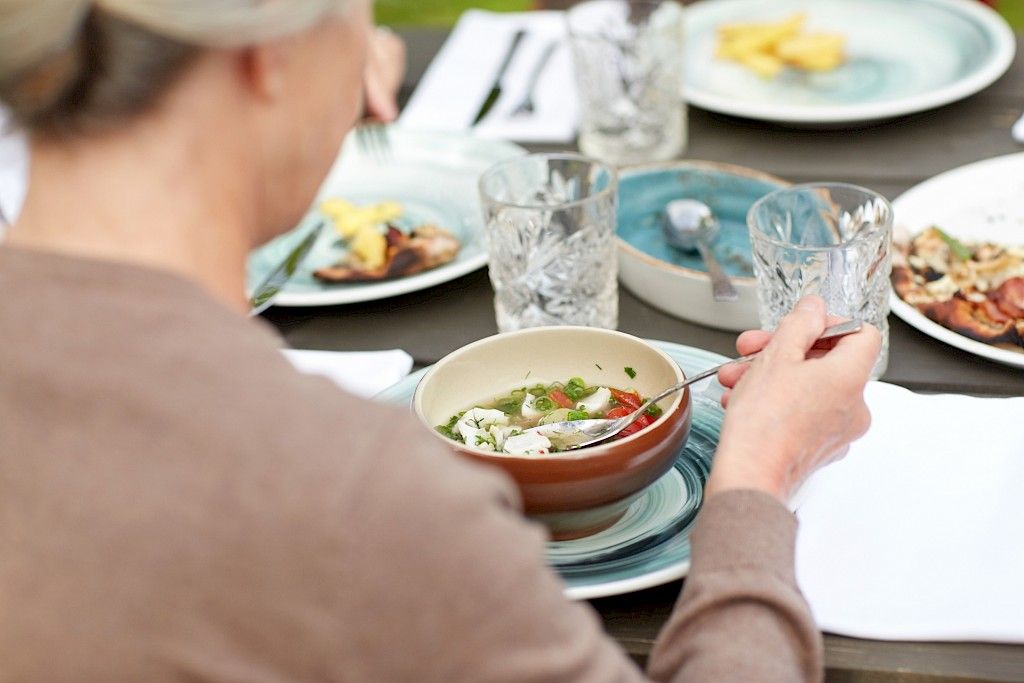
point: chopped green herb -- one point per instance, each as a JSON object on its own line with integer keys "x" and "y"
{"x": 630, "y": 371}
{"x": 654, "y": 410}
{"x": 577, "y": 381}
{"x": 482, "y": 439}
{"x": 538, "y": 390}
{"x": 574, "y": 391}
{"x": 447, "y": 431}
{"x": 577, "y": 415}
{"x": 544, "y": 404}
{"x": 508, "y": 404}
{"x": 957, "y": 247}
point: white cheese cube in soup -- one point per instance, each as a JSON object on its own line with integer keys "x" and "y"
{"x": 596, "y": 402}
{"x": 476, "y": 422}
{"x": 529, "y": 443}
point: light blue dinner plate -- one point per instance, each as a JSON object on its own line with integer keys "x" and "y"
{"x": 432, "y": 175}
{"x": 650, "y": 545}
{"x": 903, "y": 56}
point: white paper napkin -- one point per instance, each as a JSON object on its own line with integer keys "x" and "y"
{"x": 918, "y": 534}
{"x": 14, "y": 161}
{"x": 364, "y": 373}
{"x": 459, "y": 79}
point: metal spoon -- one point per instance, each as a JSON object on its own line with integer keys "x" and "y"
{"x": 573, "y": 434}
{"x": 689, "y": 225}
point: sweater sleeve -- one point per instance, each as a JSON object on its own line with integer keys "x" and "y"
{"x": 741, "y": 616}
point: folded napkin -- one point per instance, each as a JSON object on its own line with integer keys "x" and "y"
{"x": 14, "y": 158}
{"x": 364, "y": 373}
{"x": 918, "y": 534}
{"x": 458, "y": 81}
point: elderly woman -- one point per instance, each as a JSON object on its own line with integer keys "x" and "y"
{"x": 178, "y": 504}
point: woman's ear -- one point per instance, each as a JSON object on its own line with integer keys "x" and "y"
{"x": 264, "y": 69}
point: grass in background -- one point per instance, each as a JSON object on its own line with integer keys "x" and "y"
{"x": 1013, "y": 10}
{"x": 438, "y": 12}
{"x": 445, "y": 12}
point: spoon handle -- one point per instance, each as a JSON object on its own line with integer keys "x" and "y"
{"x": 840, "y": 330}
{"x": 721, "y": 287}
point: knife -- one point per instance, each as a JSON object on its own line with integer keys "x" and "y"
{"x": 264, "y": 295}
{"x": 495, "y": 93}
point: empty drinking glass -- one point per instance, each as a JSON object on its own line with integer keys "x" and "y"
{"x": 829, "y": 239}
{"x": 629, "y": 72}
{"x": 551, "y": 230}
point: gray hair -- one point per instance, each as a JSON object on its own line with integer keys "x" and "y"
{"x": 76, "y": 65}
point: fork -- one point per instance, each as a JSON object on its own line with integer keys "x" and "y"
{"x": 373, "y": 141}
{"x": 526, "y": 106}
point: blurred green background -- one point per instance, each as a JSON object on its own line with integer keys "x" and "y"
{"x": 445, "y": 12}
{"x": 438, "y": 12}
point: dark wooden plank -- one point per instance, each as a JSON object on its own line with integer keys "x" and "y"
{"x": 635, "y": 619}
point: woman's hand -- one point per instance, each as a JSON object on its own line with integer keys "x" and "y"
{"x": 385, "y": 69}
{"x": 794, "y": 408}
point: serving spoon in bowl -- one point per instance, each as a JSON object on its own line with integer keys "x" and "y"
{"x": 573, "y": 434}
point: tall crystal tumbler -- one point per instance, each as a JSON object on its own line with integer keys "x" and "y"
{"x": 629, "y": 74}
{"x": 829, "y": 239}
{"x": 551, "y": 231}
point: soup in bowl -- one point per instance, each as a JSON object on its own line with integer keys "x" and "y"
{"x": 485, "y": 396}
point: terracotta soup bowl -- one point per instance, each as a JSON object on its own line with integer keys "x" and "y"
{"x": 575, "y": 493}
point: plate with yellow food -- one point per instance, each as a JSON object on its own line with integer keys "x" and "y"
{"x": 840, "y": 62}
{"x": 395, "y": 225}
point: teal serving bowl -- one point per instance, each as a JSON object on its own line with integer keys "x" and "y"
{"x": 676, "y": 281}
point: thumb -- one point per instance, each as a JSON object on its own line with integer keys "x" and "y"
{"x": 798, "y": 331}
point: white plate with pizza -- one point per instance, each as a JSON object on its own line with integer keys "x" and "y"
{"x": 958, "y": 266}
{"x": 398, "y": 222}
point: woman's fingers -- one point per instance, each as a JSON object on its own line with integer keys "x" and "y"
{"x": 798, "y": 331}
{"x": 731, "y": 374}
{"x": 385, "y": 68}
{"x": 856, "y": 352}
{"x": 752, "y": 341}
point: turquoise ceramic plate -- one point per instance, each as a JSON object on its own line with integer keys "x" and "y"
{"x": 434, "y": 176}
{"x": 650, "y": 545}
{"x": 903, "y": 56}
{"x": 677, "y": 281}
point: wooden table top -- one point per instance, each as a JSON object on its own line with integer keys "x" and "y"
{"x": 890, "y": 158}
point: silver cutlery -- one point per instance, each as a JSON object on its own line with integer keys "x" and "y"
{"x": 527, "y": 106}
{"x": 689, "y": 225}
{"x": 264, "y": 295}
{"x": 495, "y": 93}
{"x": 573, "y": 434}
{"x": 374, "y": 142}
